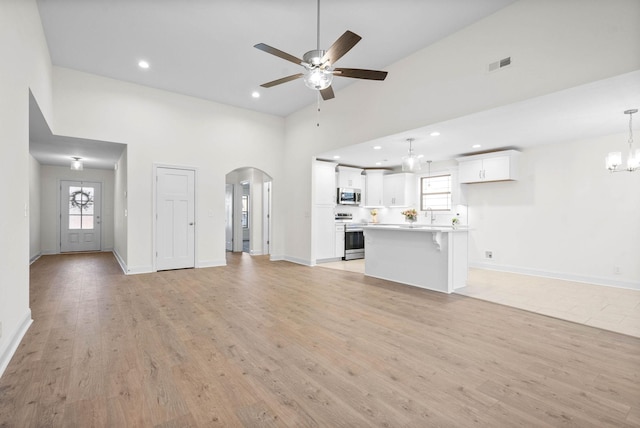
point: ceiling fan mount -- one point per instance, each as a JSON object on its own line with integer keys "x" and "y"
{"x": 318, "y": 64}
{"x": 314, "y": 57}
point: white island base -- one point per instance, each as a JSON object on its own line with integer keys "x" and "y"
{"x": 434, "y": 258}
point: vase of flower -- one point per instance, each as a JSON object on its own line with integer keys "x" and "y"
{"x": 410, "y": 216}
{"x": 374, "y": 216}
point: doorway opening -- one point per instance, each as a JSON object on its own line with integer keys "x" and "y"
{"x": 248, "y": 211}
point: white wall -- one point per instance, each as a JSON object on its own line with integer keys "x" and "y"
{"x": 34, "y": 209}
{"x": 25, "y": 66}
{"x": 567, "y": 216}
{"x": 554, "y": 45}
{"x": 166, "y": 128}
{"x": 50, "y": 178}
{"x": 120, "y": 210}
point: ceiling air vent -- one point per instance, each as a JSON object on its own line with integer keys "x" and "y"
{"x": 504, "y": 62}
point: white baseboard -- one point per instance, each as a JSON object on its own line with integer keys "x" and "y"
{"x": 14, "y": 341}
{"x": 608, "y": 282}
{"x": 329, "y": 260}
{"x": 34, "y": 258}
{"x": 136, "y": 270}
{"x": 276, "y": 257}
{"x": 211, "y": 263}
{"x": 297, "y": 261}
{"x": 121, "y": 262}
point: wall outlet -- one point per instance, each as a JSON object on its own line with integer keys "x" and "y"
{"x": 488, "y": 254}
{"x": 616, "y": 270}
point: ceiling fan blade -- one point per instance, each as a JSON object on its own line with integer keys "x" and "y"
{"x": 278, "y": 53}
{"x": 340, "y": 47}
{"x": 282, "y": 80}
{"x": 359, "y": 73}
{"x": 327, "y": 93}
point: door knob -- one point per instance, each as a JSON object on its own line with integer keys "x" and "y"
{"x": 191, "y": 224}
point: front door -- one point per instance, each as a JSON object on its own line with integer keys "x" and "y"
{"x": 175, "y": 225}
{"x": 80, "y": 212}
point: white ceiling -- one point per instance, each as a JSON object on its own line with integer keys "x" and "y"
{"x": 204, "y": 48}
{"x": 49, "y": 149}
{"x": 590, "y": 110}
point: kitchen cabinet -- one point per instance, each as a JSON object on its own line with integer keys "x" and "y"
{"x": 374, "y": 184}
{"x": 325, "y": 239}
{"x": 497, "y": 166}
{"x": 339, "y": 250}
{"x": 399, "y": 190}
{"x": 349, "y": 177}
{"x": 325, "y": 183}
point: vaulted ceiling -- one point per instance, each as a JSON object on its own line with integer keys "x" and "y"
{"x": 204, "y": 48}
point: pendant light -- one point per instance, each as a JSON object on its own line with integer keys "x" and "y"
{"x": 411, "y": 162}
{"x": 76, "y": 164}
{"x": 614, "y": 159}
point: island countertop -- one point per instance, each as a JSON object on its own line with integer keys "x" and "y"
{"x": 422, "y": 255}
{"x": 416, "y": 227}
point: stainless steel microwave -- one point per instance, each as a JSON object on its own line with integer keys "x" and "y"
{"x": 348, "y": 196}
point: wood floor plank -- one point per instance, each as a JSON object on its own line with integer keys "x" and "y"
{"x": 274, "y": 344}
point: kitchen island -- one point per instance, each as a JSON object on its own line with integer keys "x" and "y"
{"x": 431, "y": 257}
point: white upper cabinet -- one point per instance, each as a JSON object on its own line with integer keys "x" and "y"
{"x": 399, "y": 190}
{"x": 495, "y": 166}
{"x": 325, "y": 183}
{"x": 349, "y": 177}
{"x": 374, "y": 184}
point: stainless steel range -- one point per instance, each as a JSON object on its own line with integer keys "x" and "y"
{"x": 353, "y": 237}
{"x": 353, "y": 241}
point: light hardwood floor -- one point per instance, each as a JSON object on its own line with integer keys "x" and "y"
{"x": 260, "y": 343}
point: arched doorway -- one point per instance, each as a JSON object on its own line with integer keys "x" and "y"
{"x": 248, "y": 211}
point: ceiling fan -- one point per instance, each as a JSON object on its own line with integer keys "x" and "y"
{"x": 319, "y": 64}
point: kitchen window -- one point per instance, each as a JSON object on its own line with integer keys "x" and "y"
{"x": 435, "y": 193}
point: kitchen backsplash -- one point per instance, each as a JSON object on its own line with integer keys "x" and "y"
{"x": 394, "y": 216}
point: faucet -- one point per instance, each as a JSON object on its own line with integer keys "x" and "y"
{"x": 433, "y": 217}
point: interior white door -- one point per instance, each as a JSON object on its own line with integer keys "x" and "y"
{"x": 175, "y": 224}
{"x": 80, "y": 216}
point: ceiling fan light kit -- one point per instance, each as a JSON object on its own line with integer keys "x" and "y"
{"x": 316, "y": 76}
{"x": 318, "y": 64}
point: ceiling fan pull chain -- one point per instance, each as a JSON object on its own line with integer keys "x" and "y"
{"x": 318, "y": 101}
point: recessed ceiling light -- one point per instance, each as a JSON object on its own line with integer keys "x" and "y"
{"x": 255, "y": 94}
{"x": 377, "y": 147}
{"x": 476, "y": 146}
{"x": 143, "y": 64}
{"x": 378, "y": 163}
{"x": 434, "y": 134}
{"x": 336, "y": 157}
{"x": 420, "y": 156}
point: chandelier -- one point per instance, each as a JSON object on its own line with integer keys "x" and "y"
{"x": 614, "y": 159}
